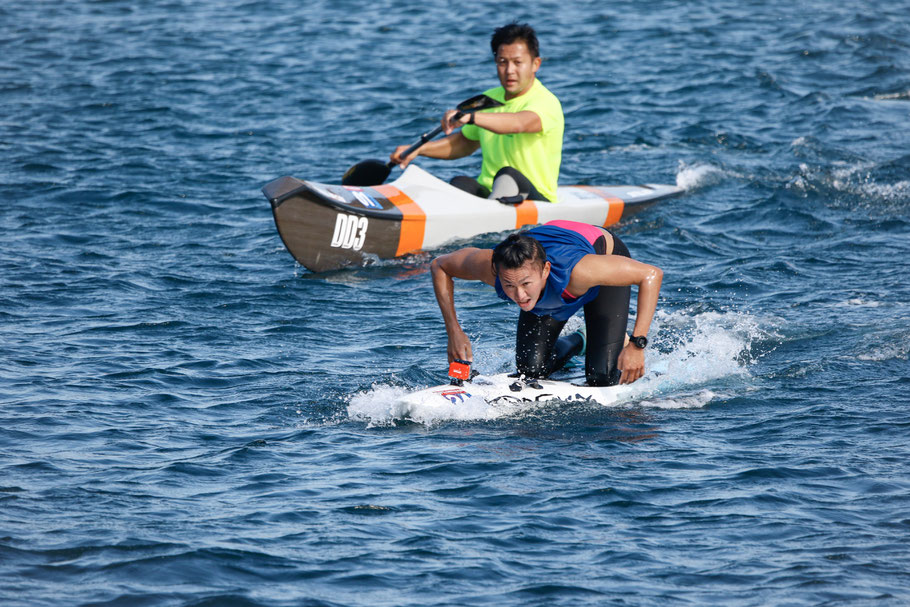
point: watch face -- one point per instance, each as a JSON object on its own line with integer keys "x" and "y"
{"x": 640, "y": 341}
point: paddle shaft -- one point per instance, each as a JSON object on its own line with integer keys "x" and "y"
{"x": 374, "y": 171}
{"x": 423, "y": 139}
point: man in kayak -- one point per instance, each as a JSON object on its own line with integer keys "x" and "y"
{"x": 551, "y": 272}
{"x": 521, "y": 141}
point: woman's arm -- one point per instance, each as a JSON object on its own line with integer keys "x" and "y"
{"x": 467, "y": 264}
{"x": 620, "y": 271}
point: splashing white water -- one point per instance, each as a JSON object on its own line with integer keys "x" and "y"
{"x": 698, "y": 175}
{"x": 887, "y": 345}
{"x": 903, "y": 96}
{"x": 856, "y": 179}
{"x": 690, "y": 353}
{"x": 383, "y": 405}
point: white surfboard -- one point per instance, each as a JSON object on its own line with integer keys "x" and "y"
{"x": 504, "y": 390}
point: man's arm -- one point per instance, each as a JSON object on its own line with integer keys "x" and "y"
{"x": 467, "y": 264}
{"x": 501, "y": 123}
{"x": 454, "y": 146}
{"x": 619, "y": 271}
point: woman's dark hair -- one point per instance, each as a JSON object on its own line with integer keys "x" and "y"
{"x": 513, "y": 32}
{"x": 517, "y": 249}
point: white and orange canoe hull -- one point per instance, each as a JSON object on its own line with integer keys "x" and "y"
{"x": 328, "y": 227}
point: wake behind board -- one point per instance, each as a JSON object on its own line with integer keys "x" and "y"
{"x": 501, "y": 389}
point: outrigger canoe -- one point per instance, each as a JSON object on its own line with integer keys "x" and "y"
{"x": 328, "y": 227}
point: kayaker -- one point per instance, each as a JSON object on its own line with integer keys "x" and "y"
{"x": 551, "y": 272}
{"x": 521, "y": 141}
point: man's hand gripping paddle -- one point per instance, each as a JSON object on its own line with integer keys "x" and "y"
{"x": 375, "y": 172}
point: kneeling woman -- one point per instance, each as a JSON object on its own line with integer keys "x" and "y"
{"x": 551, "y": 272}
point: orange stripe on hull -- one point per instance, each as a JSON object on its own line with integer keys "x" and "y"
{"x": 617, "y": 205}
{"x": 525, "y": 214}
{"x": 413, "y": 219}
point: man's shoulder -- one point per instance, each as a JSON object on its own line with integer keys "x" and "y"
{"x": 541, "y": 100}
{"x": 497, "y": 92}
{"x": 544, "y": 93}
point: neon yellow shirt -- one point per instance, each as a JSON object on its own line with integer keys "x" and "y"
{"x": 536, "y": 155}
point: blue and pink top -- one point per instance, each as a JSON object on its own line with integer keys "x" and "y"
{"x": 565, "y": 243}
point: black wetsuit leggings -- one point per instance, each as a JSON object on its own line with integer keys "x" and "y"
{"x": 539, "y": 351}
{"x": 525, "y": 187}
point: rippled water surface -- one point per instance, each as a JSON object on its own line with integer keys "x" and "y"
{"x": 189, "y": 418}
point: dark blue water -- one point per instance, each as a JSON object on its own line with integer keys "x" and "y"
{"x": 189, "y": 418}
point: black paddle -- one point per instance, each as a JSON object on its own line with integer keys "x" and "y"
{"x": 374, "y": 172}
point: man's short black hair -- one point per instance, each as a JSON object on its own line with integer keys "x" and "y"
{"x": 517, "y": 249}
{"x": 513, "y": 32}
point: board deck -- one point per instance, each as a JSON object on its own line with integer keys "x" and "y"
{"x": 500, "y": 389}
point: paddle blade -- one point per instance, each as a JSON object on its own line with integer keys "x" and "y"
{"x": 368, "y": 172}
{"x": 477, "y": 103}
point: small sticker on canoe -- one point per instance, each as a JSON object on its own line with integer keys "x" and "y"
{"x": 363, "y": 198}
{"x": 327, "y": 193}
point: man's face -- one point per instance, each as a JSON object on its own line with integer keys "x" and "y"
{"x": 525, "y": 284}
{"x": 516, "y": 68}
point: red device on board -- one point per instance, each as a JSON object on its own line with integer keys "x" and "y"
{"x": 459, "y": 370}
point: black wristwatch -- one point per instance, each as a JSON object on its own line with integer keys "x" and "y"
{"x": 639, "y": 341}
